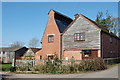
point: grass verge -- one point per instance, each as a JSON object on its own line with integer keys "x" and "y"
{"x": 6, "y": 67}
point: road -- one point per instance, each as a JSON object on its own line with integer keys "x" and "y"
{"x": 109, "y": 73}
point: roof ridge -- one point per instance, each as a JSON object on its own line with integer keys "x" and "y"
{"x": 60, "y": 14}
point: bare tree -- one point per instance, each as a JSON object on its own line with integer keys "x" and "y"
{"x": 34, "y": 42}
{"x": 17, "y": 44}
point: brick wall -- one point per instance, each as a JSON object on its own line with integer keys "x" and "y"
{"x": 77, "y": 55}
{"x": 52, "y": 47}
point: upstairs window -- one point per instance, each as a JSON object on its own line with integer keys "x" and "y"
{"x": 50, "y": 38}
{"x": 79, "y": 36}
{"x": 110, "y": 39}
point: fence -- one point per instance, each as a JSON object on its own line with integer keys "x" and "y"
{"x": 111, "y": 60}
{"x": 31, "y": 63}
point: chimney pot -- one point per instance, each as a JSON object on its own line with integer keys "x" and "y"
{"x": 76, "y": 15}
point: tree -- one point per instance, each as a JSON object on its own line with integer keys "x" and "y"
{"x": 116, "y": 27}
{"x": 16, "y": 44}
{"x": 108, "y": 22}
{"x": 119, "y": 27}
{"x": 34, "y": 42}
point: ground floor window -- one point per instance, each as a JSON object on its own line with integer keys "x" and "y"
{"x": 66, "y": 58}
{"x": 50, "y": 57}
{"x": 87, "y": 53}
{"x": 40, "y": 57}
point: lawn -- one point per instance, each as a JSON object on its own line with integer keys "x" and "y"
{"x": 6, "y": 67}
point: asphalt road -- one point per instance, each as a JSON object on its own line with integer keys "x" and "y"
{"x": 109, "y": 73}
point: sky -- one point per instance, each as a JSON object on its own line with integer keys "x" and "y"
{"x": 22, "y": 21}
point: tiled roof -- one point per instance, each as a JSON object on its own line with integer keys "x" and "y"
{"x": 21, "y": 52}
{"x": 62, "y": 21}
{"x": 35, "y": 49}
{"x": 10, "y": 49}
{"x": 24, "y": 50}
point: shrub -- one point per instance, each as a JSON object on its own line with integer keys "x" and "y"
{"x": 56, "y": 66}
{"x": 53, "y": 66}
{"x": 12, "y": 69}
{"x": 65, "y": 69}
{"x": 92, "y": 65}
{"x": 40, "y": 68}
{"x": 22, "y": 68}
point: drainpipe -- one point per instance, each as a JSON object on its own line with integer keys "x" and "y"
{"x": 61, "y": 46}
{"x": 14, "y": 59}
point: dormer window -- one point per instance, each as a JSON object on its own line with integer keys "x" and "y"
{"x": 79, "y": 36}
{"x": 50, "y": 38}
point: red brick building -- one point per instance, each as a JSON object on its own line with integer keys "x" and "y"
{"x": 80, "y": 38}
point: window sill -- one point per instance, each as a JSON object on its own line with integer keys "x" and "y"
{"x": 50, "y": 42}
{"x": 79, "y": 40}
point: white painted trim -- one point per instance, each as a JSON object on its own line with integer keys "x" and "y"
{"x": 50, "y": 34}
{"x": 50, "y": 54}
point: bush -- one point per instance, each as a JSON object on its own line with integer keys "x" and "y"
{"x": 40, "y": 68}
{"x": 22, "y": 68}
{"x": 53, "y": 66}
{"x": 5, "y": 69}
{"x": 56, "y": 67}
{"x": 92, "y": 65}
{"x": 65, "y": 69}
{"x": 12, "y": 69}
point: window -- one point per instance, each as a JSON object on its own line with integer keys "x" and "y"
{"x": 40, "y": 57}
{"x": 50, "y": 38}
{"x": 50, "y": 57}
{"x": 79, "y": 36}
{"x": 87, "y": 53}
{"x": 110, "y": 52}
{"x": 3, "y": 52}
{"x": 66, "y": 58}
{"x": 110, "y": 39}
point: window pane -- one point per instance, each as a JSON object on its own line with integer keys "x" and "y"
{"x": 50, "y": 38}
{"x": 110, "y": 39}
{"x": 79, "y": 36}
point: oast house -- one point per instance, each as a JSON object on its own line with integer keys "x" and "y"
{"x": 81, "y": 38}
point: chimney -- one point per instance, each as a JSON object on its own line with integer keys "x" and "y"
{"x": 76, "y": 15}
{"x": 109, "y": 31}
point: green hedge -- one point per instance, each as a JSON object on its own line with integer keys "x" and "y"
{"x": 56, "y": 66}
